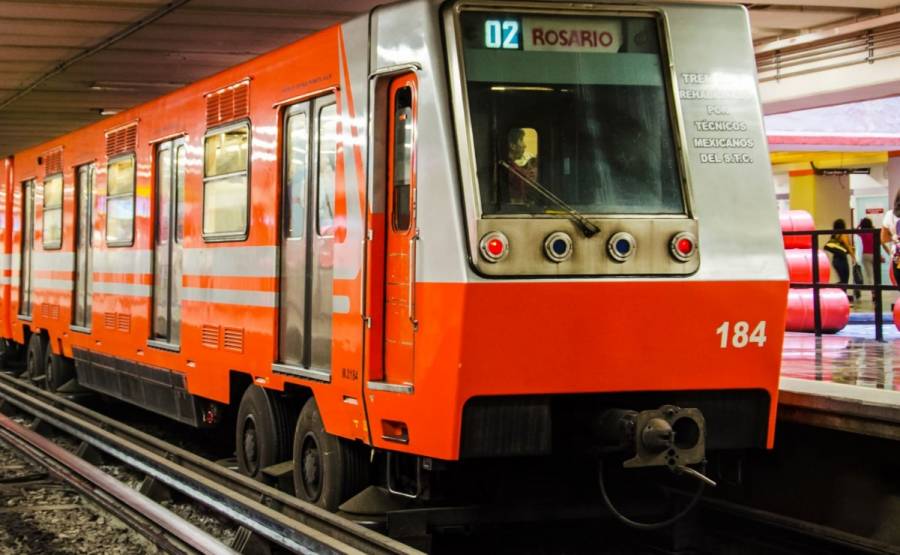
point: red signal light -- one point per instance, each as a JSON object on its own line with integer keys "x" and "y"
{"x": 494, "y": 246}
{"x": 683, "y": 246}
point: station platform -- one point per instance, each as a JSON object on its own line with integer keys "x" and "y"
{"x": 847, "y": 381}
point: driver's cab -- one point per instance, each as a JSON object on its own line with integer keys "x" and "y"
{"x": 573, "y": 145}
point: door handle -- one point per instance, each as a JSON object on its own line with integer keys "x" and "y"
{"x": 411, "y": 298}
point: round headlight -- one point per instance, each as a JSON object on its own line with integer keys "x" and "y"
{"x": 558, "y": 246}
{"x": 621, "y": 246}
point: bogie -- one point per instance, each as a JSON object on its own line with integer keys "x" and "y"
{"x": 262, "y": 431}
{"x": 35, "y": 361}
{"x": 58, "y": 371}
{"x": 328, "y": 470}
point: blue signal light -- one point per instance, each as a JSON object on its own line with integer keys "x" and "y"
{"x": 560, "y": 247}
{"x": 623, "y": 246}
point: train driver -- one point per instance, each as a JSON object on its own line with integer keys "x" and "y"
{"x": 524, "y": 161}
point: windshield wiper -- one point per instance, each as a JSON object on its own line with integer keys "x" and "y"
{"x": 588, "y": 228}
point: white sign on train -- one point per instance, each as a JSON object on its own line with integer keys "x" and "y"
{"x": 571, "y": 35}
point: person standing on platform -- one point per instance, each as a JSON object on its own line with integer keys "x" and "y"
{"x": 868, "y": 252}
{"x": 843, "y": 255}
{"x": 890, "y": 238}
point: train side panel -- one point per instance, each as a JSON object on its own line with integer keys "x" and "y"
{"x": 229, "y": 288}
{"x": 6, "y": 187}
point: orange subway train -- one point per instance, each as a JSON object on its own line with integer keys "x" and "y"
{"x": 513, "y": 231}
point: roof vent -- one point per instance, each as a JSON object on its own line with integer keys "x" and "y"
{"x": 228, "y": 104}
{"x": 121, "y": 140}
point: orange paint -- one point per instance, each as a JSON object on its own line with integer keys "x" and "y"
{"x": 473, "y": 339}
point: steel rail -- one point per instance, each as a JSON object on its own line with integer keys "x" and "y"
{"x": 165, "y": 529}
{"x": 820, "y": 535}
{"x": 271, "y": 514}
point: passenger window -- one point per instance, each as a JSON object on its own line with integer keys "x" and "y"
{"x": 120, "y": 202}
{"x": 53, "y": 201}
{"x": 225, "y": 190}
{"x": 298, "y": 160}
{"x": 327, "y": 161}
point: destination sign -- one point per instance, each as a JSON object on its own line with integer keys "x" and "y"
{"x": 553, "y": 34}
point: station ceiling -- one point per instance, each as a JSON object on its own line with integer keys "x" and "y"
{"x": 67, "y": 63}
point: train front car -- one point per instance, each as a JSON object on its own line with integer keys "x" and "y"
{"x": 615, "y": 279}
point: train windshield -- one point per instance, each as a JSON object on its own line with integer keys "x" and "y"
{"x": 574, "y": 105}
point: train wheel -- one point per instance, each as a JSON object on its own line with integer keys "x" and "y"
{"x": 58, "y": 371}
{"x": 34, "y": 359}
{"x": 328, "y": 469}
{"x": 262, "y": 432}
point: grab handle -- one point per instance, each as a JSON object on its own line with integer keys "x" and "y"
{"x": 411, "y": 299}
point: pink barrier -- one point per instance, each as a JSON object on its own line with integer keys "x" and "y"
{"x": 797, "y": 220}
{"x": 800, "y": 263}
{"x": 835, "y": 310}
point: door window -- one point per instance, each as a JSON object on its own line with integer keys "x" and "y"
{"x": 81, "y": 315}
{"x": 403, "y": 156}
{"x": 297, "y": 149}
{"x": 326, "y": 167}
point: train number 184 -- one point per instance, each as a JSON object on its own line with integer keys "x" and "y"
{"x": 740, "y": 335}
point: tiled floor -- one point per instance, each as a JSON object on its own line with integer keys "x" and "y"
{"x": 850, "y": 366}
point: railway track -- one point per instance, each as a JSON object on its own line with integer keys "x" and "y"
{"x": 169, "y": 532}
{"x": 283, "y": 522}
{"x": 759, "y": 531}
{"x": 264, "y": 514}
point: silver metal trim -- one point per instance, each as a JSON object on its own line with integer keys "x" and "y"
{"x": 401, "y": 68}
{"x": 340, "y": 304}
{"x": 614, "y": 252}
{"x": 234, "y": 261}
{"x": 79, "y": 329}
{"x": 391, "y": 387}
{"x": 164, "y": 345}
{"x": 552, "y": 254}
{"x": 53, "y": 261}
{"x": 53, "y": 284}
{"x": 120, "y": 288}
{"x": 241, "y": 297}
{"x": 411, "y": 300}
{"x": 299, "y": 372}
{"x": 488, "y": 237}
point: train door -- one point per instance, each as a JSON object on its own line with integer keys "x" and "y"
{"x": 310, "y": 154}
{"x": 401, "y": 235}
{"x": 84, "y": 198}
{"x": 26, "y": 248}
{"x": 169, "y": 231}
{"x": 292, "y": 338}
